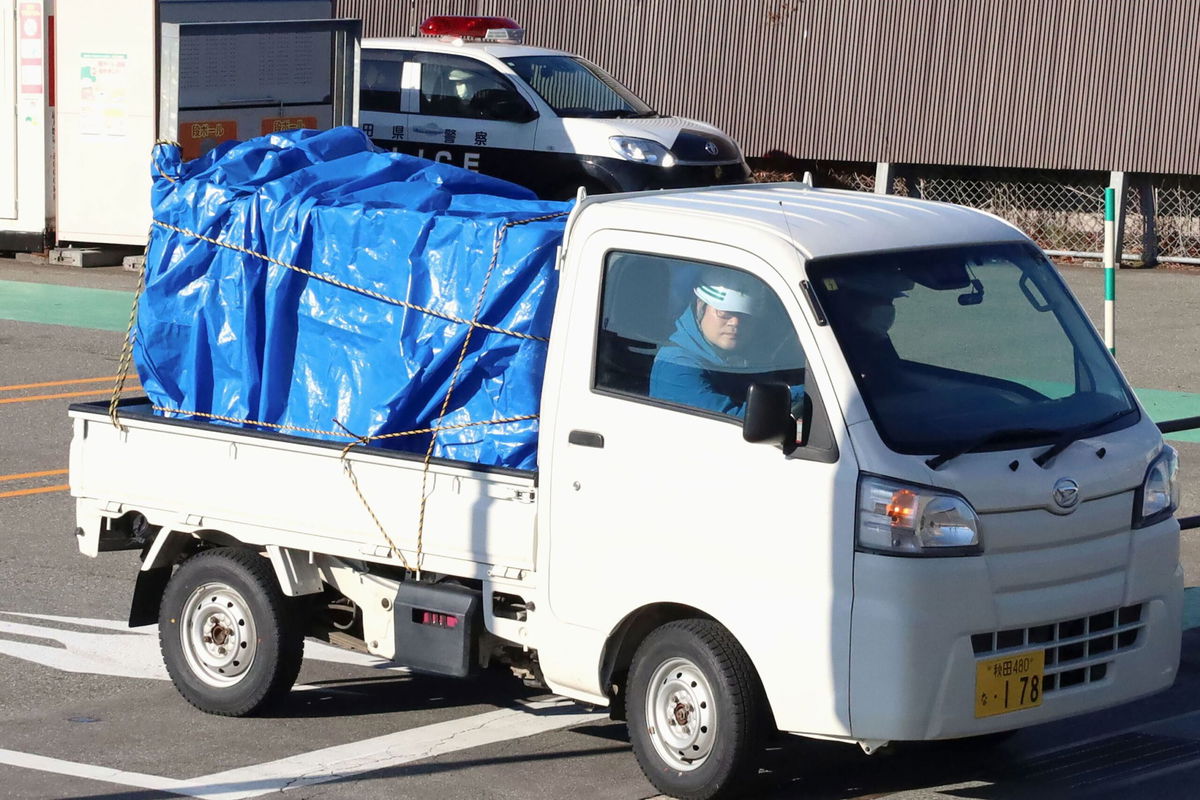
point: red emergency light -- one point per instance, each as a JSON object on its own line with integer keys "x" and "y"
{"x": 493, "y": 29}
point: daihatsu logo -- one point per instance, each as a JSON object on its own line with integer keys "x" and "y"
{"x": 1066, "y": 493}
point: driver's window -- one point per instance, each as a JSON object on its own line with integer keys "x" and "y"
{"x": 452, "y": 86}
{"x": 691, "y": 334}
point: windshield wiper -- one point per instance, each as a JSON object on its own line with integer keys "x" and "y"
{"x": 1075, "y": 434}
{"x": 995, "y": 437}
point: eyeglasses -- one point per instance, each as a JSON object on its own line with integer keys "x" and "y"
{"x": 724, "y": 315}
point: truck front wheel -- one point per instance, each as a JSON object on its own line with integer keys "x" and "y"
{"x": 231, "y": 640}
{"x": 696, "y": 711}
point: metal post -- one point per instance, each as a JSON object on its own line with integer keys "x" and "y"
{"x": 1110, "y": 270}
{"x": 1148, "y": 201}
{"x": 1119, "y": 181}
{"x": 883, "y": 177}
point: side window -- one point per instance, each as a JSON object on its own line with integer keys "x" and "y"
{"x": 380, "y": 85}
{"x": 453, "y": 86}
{"x": 692, "y": 334}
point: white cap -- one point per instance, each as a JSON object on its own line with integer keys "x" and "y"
{"x": 726, "y": 290}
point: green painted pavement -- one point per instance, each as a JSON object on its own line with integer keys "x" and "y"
{"x": 101, "y": 309}
{"x": 1164, "y": 405}
{"x": 1191, "y": 608}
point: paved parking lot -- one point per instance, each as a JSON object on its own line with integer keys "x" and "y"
{"x": 86, "y": 709}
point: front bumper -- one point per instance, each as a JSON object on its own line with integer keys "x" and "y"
{"x": 913, "y": 659}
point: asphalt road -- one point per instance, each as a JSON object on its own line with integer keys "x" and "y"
{"x": 86, "y": 710}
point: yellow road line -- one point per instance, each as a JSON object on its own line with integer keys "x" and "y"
{"x": 92, "y": 393}
{"x": 55, "y": 383}
{"x": 23, "y": 475}
{"x": 39, "y": 490}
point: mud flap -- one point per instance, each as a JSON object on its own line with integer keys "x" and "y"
{"x": 438, "y": 627}
{"x": 147, "y": 595}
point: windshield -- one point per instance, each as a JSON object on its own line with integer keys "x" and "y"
{"x": 979, "y": 348}
{"x": 577, "y": 88}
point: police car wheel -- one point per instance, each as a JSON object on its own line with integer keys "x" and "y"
{"x": 231, "y": 640}
{"x": 695, "y": 710}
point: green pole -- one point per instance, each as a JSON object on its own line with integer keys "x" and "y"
{"x": 1110, "y": 270}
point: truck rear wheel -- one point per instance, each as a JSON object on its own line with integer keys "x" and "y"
{"x": 231, "y": 640}
{"x": 696, "y": 711}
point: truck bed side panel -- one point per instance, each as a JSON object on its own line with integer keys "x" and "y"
{"x": 268, "y": 489}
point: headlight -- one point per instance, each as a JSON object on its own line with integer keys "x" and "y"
{"x": 1159, "y": 496}
{"x": 901, "y": 519}
{"x": 644, "y": 151}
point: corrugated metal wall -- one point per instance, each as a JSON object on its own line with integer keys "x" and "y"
{"x": 1052, "y": 84}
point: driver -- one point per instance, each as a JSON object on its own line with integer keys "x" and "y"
{"x": 705, "y": 363}
{"x": 864, "y": 328}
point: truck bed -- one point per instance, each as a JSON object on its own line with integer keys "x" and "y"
{"x": 265, "y": 488}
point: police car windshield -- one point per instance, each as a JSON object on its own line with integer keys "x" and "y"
{"x": 574, "y": 87}
{"x": 970, "y": 348}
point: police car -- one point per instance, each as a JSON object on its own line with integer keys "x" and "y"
{"x": 470, "y": 94}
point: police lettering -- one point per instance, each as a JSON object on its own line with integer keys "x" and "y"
{"x": 469, "y": 160}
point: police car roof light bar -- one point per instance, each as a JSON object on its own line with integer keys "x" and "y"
{"x": 489, "y": 29}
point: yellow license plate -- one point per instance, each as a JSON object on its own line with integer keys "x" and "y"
{"x": 1009, "y": 684}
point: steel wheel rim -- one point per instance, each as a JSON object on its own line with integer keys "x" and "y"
{"x": 218, "y": 634}
{"x": 681, "y": 715}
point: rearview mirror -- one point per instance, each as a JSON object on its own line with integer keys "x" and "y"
{"x": 769, "y": 415}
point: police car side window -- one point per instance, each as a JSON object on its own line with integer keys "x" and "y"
{"x": 453, "y": 86}
{"x": 380, "y": 85}
{"x": 691, "y": 334}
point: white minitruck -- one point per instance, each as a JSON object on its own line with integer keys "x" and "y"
{"x": 970, "y": 529}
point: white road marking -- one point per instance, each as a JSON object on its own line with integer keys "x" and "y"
{"x": 75, "y": 769}
{"x": 339, "y": 762}
{"x": 133, "y": 653}
{"x": 87, "y": 622}
{"x": 126, "y": 652}
{"x": 125, "y": 655}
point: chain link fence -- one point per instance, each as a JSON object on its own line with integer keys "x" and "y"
{"x": 1176, "y": 219}
{"x": 1062, "y": 212}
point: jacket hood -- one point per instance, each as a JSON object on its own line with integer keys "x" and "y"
{"x": 689, "y": 348}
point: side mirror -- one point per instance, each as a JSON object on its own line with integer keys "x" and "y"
{"x": 769, "y": 415}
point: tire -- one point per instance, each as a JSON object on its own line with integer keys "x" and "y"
{"x": 696, "y": 711}
{"x": 231, "y": 641}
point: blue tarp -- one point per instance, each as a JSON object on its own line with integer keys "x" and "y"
{"x": 225, "y": 333}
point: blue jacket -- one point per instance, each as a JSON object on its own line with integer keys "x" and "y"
{"x": 692, "y": 371}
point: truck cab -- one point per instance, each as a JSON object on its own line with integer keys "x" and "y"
{"x": 469, "y": 94}
{"x": 968, "y": 530}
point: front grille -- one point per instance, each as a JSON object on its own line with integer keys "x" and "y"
{"x": 690, "y": 147}
{"x": 1078, "y": 651}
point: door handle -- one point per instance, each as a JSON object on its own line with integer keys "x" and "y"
{"x": 585, "y": 439}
